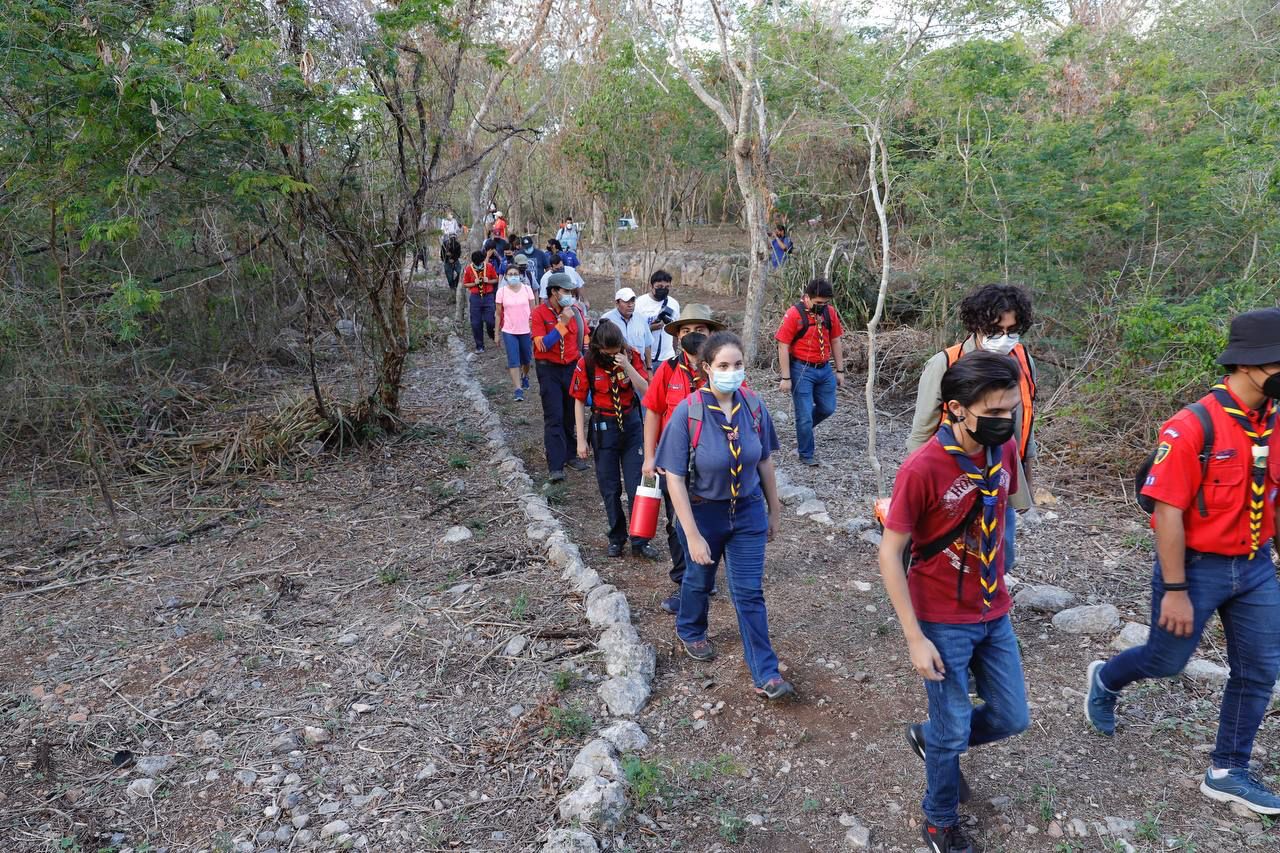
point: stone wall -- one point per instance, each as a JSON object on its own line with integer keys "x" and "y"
{"x": 717, "y": 273}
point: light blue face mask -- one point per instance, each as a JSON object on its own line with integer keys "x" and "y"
{"x": 727, "y": 381}
{"x": 566, "y": 300}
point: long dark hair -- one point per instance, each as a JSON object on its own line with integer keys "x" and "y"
{"x": 606, "y": 336}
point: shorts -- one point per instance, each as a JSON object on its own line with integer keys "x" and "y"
{"x": 519, "y": 349}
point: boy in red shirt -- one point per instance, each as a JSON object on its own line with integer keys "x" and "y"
{"x": 1215, "y": 519}
{"x": 555, "y": 328}
{"x": 808, "y": 345}
{"x": 948, "y": 505}
{"x": 481, "y": 281}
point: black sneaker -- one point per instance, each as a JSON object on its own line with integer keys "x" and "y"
{"x": 949, "y": 839}
{"x": 775, "y": 688}
{"x": 646, "y": 550}
{"x": 915, "y": 737}
{"x": 700, "y": 650}
{"x": 579, "y": 464}
{"x": 615, "y": 550}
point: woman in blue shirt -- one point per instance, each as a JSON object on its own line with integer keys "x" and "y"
{"x": 716, "y": 452}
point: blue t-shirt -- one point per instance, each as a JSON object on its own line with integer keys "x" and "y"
{"x": 712, "y": 478}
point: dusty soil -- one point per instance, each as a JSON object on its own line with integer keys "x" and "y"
{"x": 726, "y": 771}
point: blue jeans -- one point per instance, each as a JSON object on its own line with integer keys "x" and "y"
{"x": 483, "y": 308}
{"x": 519, "y": 349}
{"x": 1010, "y": 529}
{"x": 675, "y": 543}
{"x": 813, "y": 391}
{"x": 619, "y": 458}
{"x": 557, "y": 412}
{"x": 1246, "y": 596}
{"x": 740, "y": 538}
{"x": 990, "y": 650}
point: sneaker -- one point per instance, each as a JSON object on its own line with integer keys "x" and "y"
{"x": 479, "y": 350}
{"x": 915, "y": 738}
{"x": 615, "y": 550}
{"x": 519, "y": 395}
{"x": 1099, "y": 702}
{"x": 579, "y": 464}
{"x": 946, "y": 839}
{"x": 556, "y": 477}
{"x": 646, "y": 550}
{"x": 701, "y": 650}
{"x": 1243, "y": 787}
{"x": 524, "y": 382}
{"x": 811, "y": 461}
{"x": 776, "y": 688}
{"x": 671, "y": 604}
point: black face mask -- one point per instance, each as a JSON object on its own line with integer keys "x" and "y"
{"x": 692, "y": 342}
{"x": 1271, "y": 387}
{"x": 661, "y": 293}
{"x": 815, "y": 308}
{"x": 992, "y": 432}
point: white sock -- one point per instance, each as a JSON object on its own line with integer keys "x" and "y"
{"x": 1215, "y": 773}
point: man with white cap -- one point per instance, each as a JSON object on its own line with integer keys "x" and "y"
{"x": 635, "y": 330}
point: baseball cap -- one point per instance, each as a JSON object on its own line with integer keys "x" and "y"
{"x": 562, "y": 280}
{"x": 521, "y": 260}
{"x": 624, "y": 295}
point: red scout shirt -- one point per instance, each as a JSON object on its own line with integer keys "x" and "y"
{"x": 931, "y": 495}
{"x": 601, "y": 388}
{"x": 1175, "y": 479}
{"x": 671, "y": 384}
{"x": 542, "y": 322}
{"x": 470, "y": 278}
{"x": 815, "y": 346}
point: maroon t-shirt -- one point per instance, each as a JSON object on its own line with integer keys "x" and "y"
{"x": 931, "y": 496}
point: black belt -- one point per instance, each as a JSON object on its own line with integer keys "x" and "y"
{"x": 810, "y": 363}
{"x": 604, "y": 419}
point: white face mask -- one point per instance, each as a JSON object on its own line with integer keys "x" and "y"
{"x": 999, "y": 344}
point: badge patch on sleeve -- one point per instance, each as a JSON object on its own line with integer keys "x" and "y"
{"x": 1161, "y": 452}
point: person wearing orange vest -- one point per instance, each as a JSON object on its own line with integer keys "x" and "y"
{"x": 481, "y": 281}
{"x": 995, "y": 317}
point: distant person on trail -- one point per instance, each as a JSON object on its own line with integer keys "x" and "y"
{"x": 481, "y": 280}
{"x": 658, "y": 307}
{"x": 568, "y": 234}
{"x": 522, "y": 266}
{"x": 451, "y": 259}
{"x": 716, "y": 452}
{"x": 569, "y": 256}
{"x": 1213, "y": 481}
{"x": 808, "y": 347}
{"x": 505, "y": 260}
{"x": 995, "y": 316}
{"x": 639, "y": 337}
{"x": 555, "y": 264}
{"x": 515, "y": 302}
{"x": 675, "y": 379}
{"x": 609, "y": 380}
{"x": 557, "y": 346}
{"x": 948, "y": 505}
{"x": 780, "y": 246}
{"x": 499, "y": 227}
{"x": 539, "y": 260}
{"x": 450, "y": 227}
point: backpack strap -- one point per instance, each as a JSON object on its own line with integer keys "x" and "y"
{"x": 697, "y": 413}
{"x": 1206, "y": 451}
{"x": 754, "y": 407}
{"x": 804, "y": 323}
{"x": 932, "y": 549}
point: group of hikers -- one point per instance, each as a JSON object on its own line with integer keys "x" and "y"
{"x": 660, "y": 390}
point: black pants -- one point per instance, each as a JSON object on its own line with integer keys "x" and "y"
{"x": 452, "y": 270}
{"x": 619, "y": 458}
{"x": 673, "y": 538}
{"x": 557, "y": 412}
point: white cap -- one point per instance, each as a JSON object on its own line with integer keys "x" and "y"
{"x": 624, "y": 295}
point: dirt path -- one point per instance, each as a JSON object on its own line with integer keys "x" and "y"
{"x": 726, "y": 770}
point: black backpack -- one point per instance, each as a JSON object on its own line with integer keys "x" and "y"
{"x": 805, "y": 321}
{"x": 1206, "y": 453}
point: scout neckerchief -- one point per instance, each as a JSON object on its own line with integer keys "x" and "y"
{"x": 989, "y": 493}
{"x": 615, "y": 394}
{"x": 682, "y": 363}
{"x": 819, "y": 318}
{"x": 556, "y": 316}
{"x": 735, "y": 448}
{"x": 1261, "y": 449}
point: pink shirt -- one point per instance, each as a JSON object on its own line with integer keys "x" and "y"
{"x": 516, "y": 308}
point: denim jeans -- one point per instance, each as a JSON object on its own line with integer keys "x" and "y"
{"x": 674, "y": 542}
{"x": 990, "y": 650}
{"x": 739, "y": 537}
{"x": 452, "y": 272}
{"x": 482, "y": 316}
{"x": 813, "y": 391}
{"x": 519, "y": 349}
{"x": 1246, "y": 596}
{"x": 619, "y": 458}
{"x": 557, "y": 411}
{"x": 1010, "y": 546}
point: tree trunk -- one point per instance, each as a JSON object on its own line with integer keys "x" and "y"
{"x": 754, "y": 201}
{"x": 597, "y": 219}
{"x": 879, "y": 155}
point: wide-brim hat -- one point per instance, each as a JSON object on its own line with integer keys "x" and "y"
{"x": 1254, "y": 338}
{"x": 694, "y": 312}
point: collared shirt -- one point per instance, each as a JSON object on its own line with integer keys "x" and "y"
{"x": 477, "y": 282}
{"x": 563, "y": 351}
{"x": 712, "y": 478}
{"x": 603, "y": 384}
{"x": 1175, "y": 479}
{"x": 815, "y": 345}
{"x": 636, "y": 331}
{"x": 674, "y": 380}
{"x": 569, "y": 271}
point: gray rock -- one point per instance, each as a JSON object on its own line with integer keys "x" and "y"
{"x": 142, "y": 789}
{"x": 516, "y": 645}
{"x": 813, "y": 506}
{"x": 285, "y": 743}
{"x": 329, "y": 807}
{"x": 426, "y": 772}
{"x": 623, "y": 658}
{"x": 246, "y": 778}
{"x": 155, "y": 765}
{"x": 208, "y": 740}
{"x": 315, "y": 735}
{"x": 822, "y": 518}
{"x": 584, "y": 580}
{"x": 598, "y": 802}
{"x": 596, "y": 759}
{"x": 626, "y": 736}
{"x": 570, "y": 841}
{"x": 300, "y": 821}
{"x": 625, "y": 695}
{"x": 1119, "y": 827}
{"x": 870, "y": 536}
{"x": 1206, "y": 672}
{"x": 858, "y": 836}
{"x": 348, "y": 640}
{"x": 333, "y": 828}
{"x": 611, "y": 609}
{"x": 599, "y": 593}
{"x": 456, "y": 534}
{"x": 1089, "y": 619}
{"x": 1076, "y": 828}
{"x": 560, "y": 552}
{"x": 856, "y": 525}
{"x": 1044, "y": 597}
{"x": 1131, "y": 636}
{"x": 791, "y": 495}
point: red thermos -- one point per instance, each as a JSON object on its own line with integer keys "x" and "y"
{"x": 644, "y": 510}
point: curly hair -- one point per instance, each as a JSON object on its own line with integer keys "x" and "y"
{"x": 981, "y": 310}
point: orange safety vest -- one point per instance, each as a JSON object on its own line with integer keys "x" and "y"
{"x": 1026, "y": 386}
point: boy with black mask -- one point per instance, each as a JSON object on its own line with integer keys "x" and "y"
{"x": 659, "y": 307}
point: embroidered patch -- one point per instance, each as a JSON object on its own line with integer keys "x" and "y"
{"x": 1171, "y": 432}
{"x": 1151, "y": 480}
{"x": 1161, "y": 452}
{"x": 1229, "y": 453}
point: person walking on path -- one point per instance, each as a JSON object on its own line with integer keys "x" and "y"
{"x": 672, "y": 383}
{"x": 568, "y": 234}
{"x": 808, "y": 345}
{"x": 609, "y": 380}
{"x": 481, "y": 281}
{"x": 555, "y": 264}
{"x": 948, "y": 504}
{"x": 658, "y": 307}
{"x": 635, "y": 330}
{"x": 515, "y": 302}
{"x": 451, "y": 259}
{"x": 717, "y": 453}
{"x": 995, "y": 317}
{"x": 556, "y": 350}
{"x": 1213, "y": 481}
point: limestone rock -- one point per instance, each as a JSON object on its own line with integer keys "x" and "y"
{"x": 813, "y": 506}
{"x": 1089, "y": 619}
{"x": 625, "y": 695}
{"x": 598, "y": 802}
{"x": 596, "y": 759}
{"x": 626, "y": 736}
{"x": 610, "y": 609}
{"x": 1206, "y": 672}
{"x": 1044, "y": 597}
{"x": 570, "y": 841}
{"x": 856, "y": 525}
{"x": 516, "y": 645}
{"x": 1130, "y": 636}
{"x": 142, "y": 789}
{"x": 336, "y": 827}
{"x": 456, "y": 534}
{"x": 795, "y": 495}
{"x": 154, "y": 765}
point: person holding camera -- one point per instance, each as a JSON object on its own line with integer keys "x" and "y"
{"x": 659, "y": 308}
{"x": 811, "y": 361}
